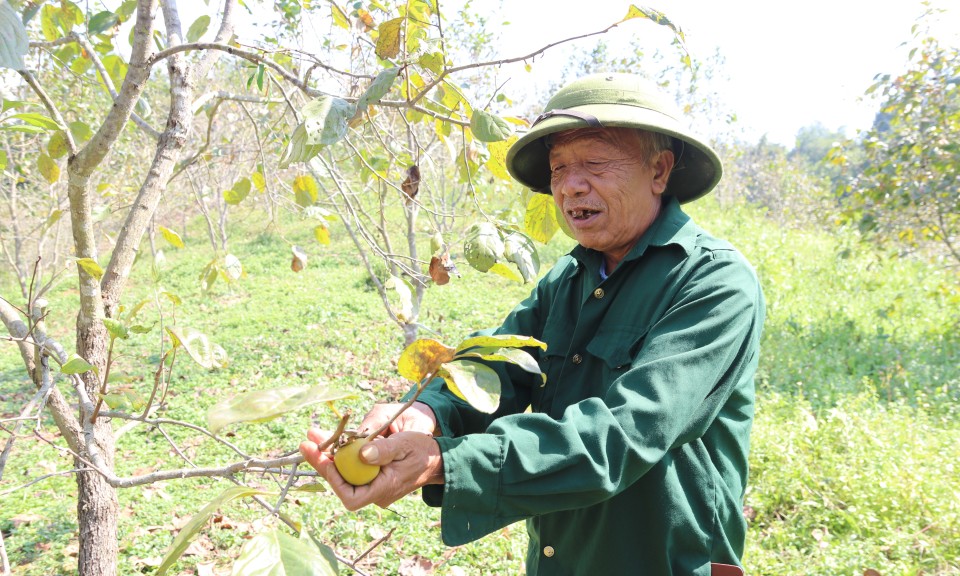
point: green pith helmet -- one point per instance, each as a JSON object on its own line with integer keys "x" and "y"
{"x": 616, "y": 100}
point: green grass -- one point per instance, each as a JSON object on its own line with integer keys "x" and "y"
{"x": 855, "y": 435}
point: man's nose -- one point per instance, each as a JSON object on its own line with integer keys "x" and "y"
{"x": 574, "y": 181}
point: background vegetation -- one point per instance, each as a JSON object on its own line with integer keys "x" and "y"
{"x": 856, "y": 438}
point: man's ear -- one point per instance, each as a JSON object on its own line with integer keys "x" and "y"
{"x": 661, "y": 170}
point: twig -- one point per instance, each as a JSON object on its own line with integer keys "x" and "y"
{"x": 407, "y": 404}
{"x": 375, "y": 544}
{"x": 44, "y": 477}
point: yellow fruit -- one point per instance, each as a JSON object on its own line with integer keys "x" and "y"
{"x": 353, "y": 470}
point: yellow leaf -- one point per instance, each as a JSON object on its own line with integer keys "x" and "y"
{"x": 422, "y": 357}
{"x": 305, "y": 190}
{"x": 259, "y": 181}
{"x": 540, "y": 220}
{"x": 48, "y": 168}
{"x": 171, "y": 237}
{"x": 501, "y": 269}
{"x": 497, "y": 164}
{"x": 339, "y": 18}
{"x": 322, "y": 234}
{"x": 388, "y": 43}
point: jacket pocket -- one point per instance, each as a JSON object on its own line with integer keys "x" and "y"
{"x": 616, "y": 346}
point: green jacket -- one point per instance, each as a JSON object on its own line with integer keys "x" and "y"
{"x": 633, "y": 456}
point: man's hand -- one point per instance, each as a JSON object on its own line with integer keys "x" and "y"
{"x": 408, "y": 460}
{"x": 417, "y": 418}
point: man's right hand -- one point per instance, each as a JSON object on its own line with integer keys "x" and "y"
{"x": 417, "y": 418}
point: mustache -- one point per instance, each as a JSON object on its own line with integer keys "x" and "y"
{"x": 574, "y": 206}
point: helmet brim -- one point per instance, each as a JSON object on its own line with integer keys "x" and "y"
{"x": 697, "y": 168}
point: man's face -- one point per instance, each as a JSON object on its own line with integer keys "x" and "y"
{"x": 607, "y": 187}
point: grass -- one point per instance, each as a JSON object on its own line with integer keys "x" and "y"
{"x": 854, "y": 441}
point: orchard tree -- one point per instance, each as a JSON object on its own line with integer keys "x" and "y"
{"x": 369, "y": 125}
{"x": 906, "y": 187}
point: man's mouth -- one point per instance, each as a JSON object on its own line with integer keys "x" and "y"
{"x": 582, "y": 213}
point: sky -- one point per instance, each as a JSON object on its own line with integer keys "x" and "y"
{"x": 786, "y": 64}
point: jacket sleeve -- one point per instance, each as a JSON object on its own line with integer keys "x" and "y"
{"x": 456, "y": 417}
{"x": 527, "y": 464}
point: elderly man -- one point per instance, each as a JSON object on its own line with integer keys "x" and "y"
{"x": 632, "y": 457}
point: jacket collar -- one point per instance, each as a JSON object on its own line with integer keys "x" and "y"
{"x": 672, "y": 226}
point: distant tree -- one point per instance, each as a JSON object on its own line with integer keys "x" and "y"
{"x": 905, "y": 188}
{"x": 764, "y": 174}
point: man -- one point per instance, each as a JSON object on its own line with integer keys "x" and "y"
{"x": 633, "y": 456}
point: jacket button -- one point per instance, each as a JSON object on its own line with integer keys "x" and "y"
{"x": 577, "y": 359}
{"x": 548, "y": 551}
{"x": 598, "y": 293}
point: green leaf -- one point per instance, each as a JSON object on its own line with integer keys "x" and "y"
{"x": 81, "y": 131}
{"x": 405, "y": 295}
{"x": 77, "y": 365}
{"x": 489, "y": 128}
{"x": 388, "y": 39}
{"x": 311, "y": 488}
{"x": 12, "y": 104}
{"x": 298, "y": 149}
{"x": 198, "y": 521}
{"x": 171, "y": 237}
{"x": 326, "y": 120}
{"x": 198, "y": 346}
{"x": 3, "y": 160}
{"x": 14, "y": 42}
{"x": 124, "y": 399}
{"x": 519, "y": 249}
{"x": 116, "y": 69}
{"x": 520, "y": 358}
{"x": 48, "y": 168}
{"x": 275, "y": 553}
{"x": 305, "y": 190}
{"x": 51, "y": 219}
{"x": 35, "y": 119}
{"x": 379, "y": 88}
{"x": 433, "y": 62}
{"x": 116, "y": 329}
{"x": 265, "y": 405}
{"x": 47, "y": 24}
{"x": 91, "y": 267}
{"x": 198, "y": 28}
{"x": 477, "y": 384}
{"x": 102, "y": 22}
{"x": 500, "y": 341}
{"x": 240, "y": 190}
{"x": 232, "y": 269}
